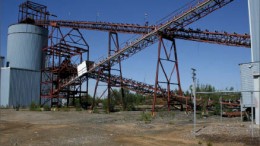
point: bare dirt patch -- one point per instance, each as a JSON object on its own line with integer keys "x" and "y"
{"x": 120, "y": 128}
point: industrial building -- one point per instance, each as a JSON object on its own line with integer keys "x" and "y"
{"x": 2, "y": 59}
{"x": 254, "y": 20}
{"x": 1, "y": 65}
{"x": 32, "y": 74}
{"x": 247, "y": 72}
{"x": 22, "y": 75}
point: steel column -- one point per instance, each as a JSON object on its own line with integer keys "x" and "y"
{"x": 167, "y": 55}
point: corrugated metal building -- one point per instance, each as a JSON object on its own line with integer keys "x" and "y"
{"x": 2, "y": 59}
{"x": 247, "y": 70}
{"x": 21, "y": 86}
{"x": 20, "y": 81}
{"x": 254, "y": 19}
{"x": 1, "y": 65}
{"x": 24, "y": 46}
{"x": 4, "y": 87}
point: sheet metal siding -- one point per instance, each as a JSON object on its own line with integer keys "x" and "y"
{"x": 0, "y": 86}
{"x": 24, "y": 87}
{"x": 254, "y": 19}
{"x": 5, "y": 86}
{"x": 24, "y": 46}
{"x": 1, "y": 65}
{"x": 1, "y": 61}
{"x": 247, "y": 82}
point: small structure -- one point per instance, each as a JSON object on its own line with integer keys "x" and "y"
{"x": 254, "y": 19}
{"x": 247, "y": 71}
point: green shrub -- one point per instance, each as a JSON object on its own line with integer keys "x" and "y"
{"x": 17, "y": 107}
{"x": 78, "y": 105}
{"x": 209, "y": 144}
{"x": 166, "y": 114}
{"x": 95, "y": 110}
{"x": 78, "y": 109}
{"x": 34, "y": 107}
{"x": 65, "y": 109}
{"x": 130, "y": 107}
{"x": 146, "y": 117}
{"x": 46, "y": 108}
{"x": 4, "y": 107}
{"x": 105, "y": 105}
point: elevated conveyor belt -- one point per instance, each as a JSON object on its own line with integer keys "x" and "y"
{"x": 146, "y": 89}
{"x": 100, "y": 26}
{"x": 180, "y": 20}
{"x": 223, "y": 38}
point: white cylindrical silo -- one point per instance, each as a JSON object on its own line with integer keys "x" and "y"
{"x": 24, "y": 46}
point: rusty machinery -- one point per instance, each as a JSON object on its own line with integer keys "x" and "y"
{"x": 170, "y": 30}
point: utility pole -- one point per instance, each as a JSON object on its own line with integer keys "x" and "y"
{"x": 145, "y": 19}
{"x": 241, "y": 108}
{"x": 194, "y": 99}
{"x": 221, "y": 109}
{"x": 97, "y": 16}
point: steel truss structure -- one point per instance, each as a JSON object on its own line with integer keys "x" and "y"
{"x": 222, "y": 38}
{"x": 64, "y": 53}
{"x": 30, "y": 12}
{"x": 187, "y": 17}
{"x": 59, "y": 76}
{"x": 216, "y": 37}
{"x": 113, "y": 47}
{"x": 100, "y": 26}
{"x": 179, "y": 21}
{"x": 167, "y": 55}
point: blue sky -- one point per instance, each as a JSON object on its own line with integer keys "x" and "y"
{"x": 216, "y": 64}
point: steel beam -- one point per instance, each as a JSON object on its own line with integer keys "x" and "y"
{"x": 180, "y": 20}
{"x": 222, "y": 38}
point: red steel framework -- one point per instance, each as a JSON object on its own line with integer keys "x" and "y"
{"x": 30, "y": 12}
{"x": 100, "y": 26}
{"x": 179, "y": 21}
{"x": 64, "y": 53}
{"x": 167, "y": 55}
{"x": 217, "y": 37}
{"x": 239, "y": 40}
{"x": 222, "y": 38}
{"x": 113, "y": 47}
{"x": 60, "y": 77}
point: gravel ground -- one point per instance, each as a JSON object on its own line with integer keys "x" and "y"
{"x": 50, "y": 128}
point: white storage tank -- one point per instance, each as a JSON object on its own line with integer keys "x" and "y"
{"x": 24, "y": 46}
